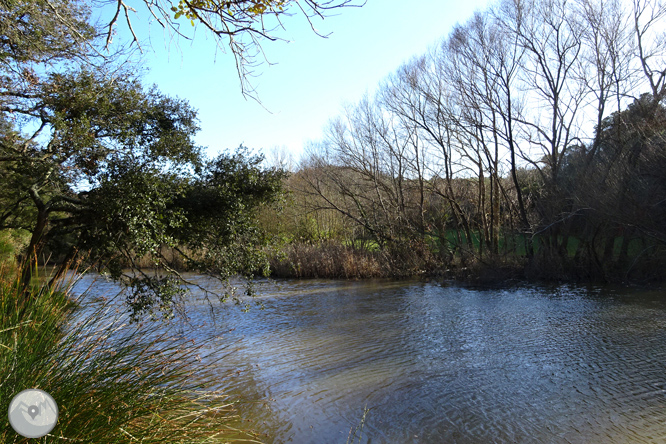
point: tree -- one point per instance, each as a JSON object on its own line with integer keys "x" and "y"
{"x": 478, "y": 53}
{"x": 98, "y": 167}
{"x": 239, "y": 26}
{"x": 37, "y": 31}
{"x": 607, "y": 54}
{"x": 648, "y": 20}
{"x": 118, "y": 178}
{"x": 203, "y": 221}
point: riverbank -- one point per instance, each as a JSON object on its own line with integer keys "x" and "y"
{"x": 333, "y": 260}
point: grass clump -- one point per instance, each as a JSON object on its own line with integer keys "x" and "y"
{"x": 114, "y": 382}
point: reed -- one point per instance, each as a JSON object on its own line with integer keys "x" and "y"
{"x": 326, "y": 260}
{"x": 114, "y": 382}
{"x": 356, "y": 433}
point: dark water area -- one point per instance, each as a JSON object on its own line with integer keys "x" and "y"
{"x": 435, "y": 363}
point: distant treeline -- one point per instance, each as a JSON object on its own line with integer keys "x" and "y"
{"x": 530, "y": 141}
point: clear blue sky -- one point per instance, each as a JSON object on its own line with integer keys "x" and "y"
{"x": 311, "y": 78}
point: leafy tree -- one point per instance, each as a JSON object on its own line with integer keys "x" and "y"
{"x": 630, "y": 167}
{"x": 114, "y": 175}
{"x": 620, "y": 191}
{"x": 98, "y": 167}
{"x": 35, "y": 31}
{"x": 205, "y": 218}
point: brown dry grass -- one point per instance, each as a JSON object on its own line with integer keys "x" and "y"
{"x": 332, "y": 259}
{"x": 326, "y": 260}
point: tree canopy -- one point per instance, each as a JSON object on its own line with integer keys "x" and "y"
{"x": 98, "y": 167}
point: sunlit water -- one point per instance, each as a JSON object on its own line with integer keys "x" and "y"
{"x": 442, "y": 364}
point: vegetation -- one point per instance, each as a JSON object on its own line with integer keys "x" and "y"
{"x": 526, "y": 140}
{"x": 112, "y": 383}
{"x": 99, "y": 168}
{"x": 528, "y": 143}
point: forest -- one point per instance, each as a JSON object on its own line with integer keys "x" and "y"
{"x": 528, "y": 143}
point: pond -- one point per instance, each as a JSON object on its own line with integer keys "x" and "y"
{"x": 434, "y": 362}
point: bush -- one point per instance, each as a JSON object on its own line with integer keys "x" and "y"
{"x": 12, "y": 243}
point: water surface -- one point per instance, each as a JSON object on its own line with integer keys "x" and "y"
{"x": 439, "y": 363}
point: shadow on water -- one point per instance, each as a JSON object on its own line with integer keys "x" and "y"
{"x": 437, "y": 363}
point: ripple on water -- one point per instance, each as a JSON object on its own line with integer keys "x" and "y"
{"x": 446, "y": 364}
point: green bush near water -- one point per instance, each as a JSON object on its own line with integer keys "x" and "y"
{"x": 113, "y": 382}
{"x": 12, "y": 242}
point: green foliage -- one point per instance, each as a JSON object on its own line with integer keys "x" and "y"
{"x": 98, "y": 117}
{"x": 117, "y": 177}
{"x": 135, "y": 212}
{"x": 12, "y": 242}
{"x": 113, "y": 383}
{"x": 192, "y": 9}
{"x": 154, "y": 293}
{"x": 627, "y": 162}
{"x": 130, "y": 214}
{"x": 33, "y": 32}
{"x": 221, "y": 207}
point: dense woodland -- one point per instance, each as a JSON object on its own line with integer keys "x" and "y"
{"x": 530, "y": 142}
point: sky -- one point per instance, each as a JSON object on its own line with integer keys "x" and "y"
{"x": 309, "y": 79}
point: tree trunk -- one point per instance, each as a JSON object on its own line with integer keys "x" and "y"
{"x": 34, "y": 248}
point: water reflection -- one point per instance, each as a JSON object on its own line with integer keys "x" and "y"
{"x": 440, "y": 363}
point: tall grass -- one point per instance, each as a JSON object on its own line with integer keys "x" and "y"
{"x": 326, "y": 260}
{"x": 332, "y": 259}
{"x": 113, "y": 382}
{"x": 356, "y": 433}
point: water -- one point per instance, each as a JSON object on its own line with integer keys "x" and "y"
{"x": 436, "y": 363}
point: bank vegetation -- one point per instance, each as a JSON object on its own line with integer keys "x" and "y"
{"x": 528, "y": 143}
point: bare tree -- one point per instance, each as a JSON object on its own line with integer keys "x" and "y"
{"x": 550, "y": 34}
{"x": 529, "y": 84}
{"x": 607, "y": 51}
{"x": 420, "y": 97}
{"x": 280, "y": 157}
{"x": 238, "y": 26}
{"x": 649, "y": 18}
